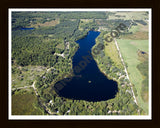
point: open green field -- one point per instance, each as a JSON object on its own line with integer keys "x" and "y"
{"x": 84, "y": 22}
{"x": 128, "y": 50}
{"x": 25, "y": 103}
{"x": 111, "y": 50}
{"x": 139, "y": 32}
{"x": 24, "y": 76}
{"x": 129, "y": 15}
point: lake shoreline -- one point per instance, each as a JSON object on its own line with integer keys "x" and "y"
{"x": 90, "y": 76}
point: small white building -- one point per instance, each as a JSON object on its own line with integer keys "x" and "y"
{"x": 51, "y": 102}
{"x": 68, "y": 111}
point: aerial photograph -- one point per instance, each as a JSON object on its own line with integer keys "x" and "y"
{"x": 79, "y": 63}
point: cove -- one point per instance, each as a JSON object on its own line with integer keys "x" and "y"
{"x": 89, "y": 83}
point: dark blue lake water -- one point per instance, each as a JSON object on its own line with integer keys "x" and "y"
{"x": 88, "y": 83}
{"x": 27, "y": 28}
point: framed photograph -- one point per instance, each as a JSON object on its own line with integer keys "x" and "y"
{"x": 80, "y": 64}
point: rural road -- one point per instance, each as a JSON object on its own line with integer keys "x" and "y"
{"x": 35, "y": 89}
{"x": 125, "y": 70}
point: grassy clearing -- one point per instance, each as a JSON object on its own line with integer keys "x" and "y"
{"x": 84, "y": 22}
{"x": 139, "y": 32}
{"x": 61, "y": 46}
{"x": 143, "y": 68}
{"x": 25, "y": 103}
{"x": 134, "y": 29}
{"x": 46, "y": 24}
{"x": 24, "y": 76}
{"x": 129, "y": 52}
{"x": 111, "y": 50}
{"x": 129, "y": 15}
{"x": 136, "y": 35}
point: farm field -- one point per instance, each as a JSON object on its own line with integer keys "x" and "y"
{"x": 127, "y": 16}
{"x": 129, "y": 50}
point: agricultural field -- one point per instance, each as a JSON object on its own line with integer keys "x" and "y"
{"x": 129, "y": 49}
{"x": 138, "y": 32}
{"x": 128, "y": 15}
{"x": 134, "y": 47}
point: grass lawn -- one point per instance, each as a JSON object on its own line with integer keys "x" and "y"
{"x": 128, "y": 50}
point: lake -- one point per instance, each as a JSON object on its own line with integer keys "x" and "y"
{"x": 27, "y": 28}
{"x": 88, "y": 83}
